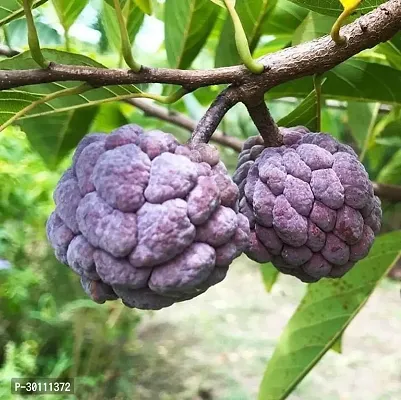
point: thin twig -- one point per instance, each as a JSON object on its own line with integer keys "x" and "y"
{"x": 387, "y": 192}
{"x": 33, "y": 39}
{"x": 181, "y": 120}
{"x": 7, "y": 52}
{"x": 126, "y": 46}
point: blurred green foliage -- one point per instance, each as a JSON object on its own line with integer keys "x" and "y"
{"x": 47, "y": 325}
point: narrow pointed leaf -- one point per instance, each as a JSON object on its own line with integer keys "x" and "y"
{"x": 145, "y": 6}
{"x": 392, "y": 50}
{"x": 253, "y": 14}
{"x": 306, "y": 114}
{"x": 68, "y": 11}
{"x": 361, "y": 119}
{"x": 326, "y": 310}
{"x": 313, "y": 26}
{"x": 134, "y": 18}
{"x": 284, "y": 18}
{"x": 188, "y": 24}
{"x": 108, "y": 118}
{"x": 335, "y": 8}
{"x": 352, "y": 80}
{"x": 338, "y": 345}
{"x": 13, "y": 9}
{"x": 221, "y": 2}
{"x": 55, "y": 135}
{"x": 12, "y": 101}
{"x": 269, "y": 275}
{"x": 391, "y": 172}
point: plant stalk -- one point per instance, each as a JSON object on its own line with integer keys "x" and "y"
{"x": 33, "y": 39}
{"x": 126, "y": 47}
{"x": 242, "y": 42}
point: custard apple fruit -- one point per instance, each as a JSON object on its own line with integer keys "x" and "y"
{"x": 142, "y": 218}
{"x": 310, "y": 204}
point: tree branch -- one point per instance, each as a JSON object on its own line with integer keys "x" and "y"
{"x": 387, "y": 192}
{"x": 183, "y": 121}
{"x": 7, "y": 52}
{"x": 295, "y": 62}
{"x": 205, "y": 128}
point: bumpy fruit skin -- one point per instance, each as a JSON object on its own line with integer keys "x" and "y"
{"x": 310, "y": 204}
{"x": 142, "y": 218}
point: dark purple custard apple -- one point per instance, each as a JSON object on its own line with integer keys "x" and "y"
{"x": 142, "y": 218}
{"x": 310, "y": 204}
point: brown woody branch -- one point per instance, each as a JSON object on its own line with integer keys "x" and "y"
{"x": 305, "y": 59}
{"x": 7, "y": 52}
{"x": 388, "y": 192}
{"x": 207, "y": 125}
{"x": 183, "y": 121}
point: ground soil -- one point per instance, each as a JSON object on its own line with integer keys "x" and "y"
{"x": 217, "y": 345}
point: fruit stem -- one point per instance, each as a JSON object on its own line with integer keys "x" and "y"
{"x": 242, "y": 42}
{"x": 265, "y": 123}
{"x": 126, "y": 46}
{"x": 335, "y": 30}
{"x": 33, "y": 39}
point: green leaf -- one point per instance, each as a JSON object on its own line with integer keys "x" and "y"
{"x": 15, "y": 100}
{"x": 356, "y": 80}
{"x": 392, "y": 141}
{"x": 326, "y": 310}
{"x": 252, "y": 14}
{"x": 391, "y": 172}
{"x": 13, "y": 9}
{"x": 221, "y": 2}
{"x": 68, "y": 11}
{"x": 145, "y": 6}
{"x": 108, "y": 118}
{"x": 361, "y": 120}
{"x": 334, "y": 7}
{"x": 306, "y": 114}
{"x": 312, "y": 27}
{"x": 188, "y": 24}
{"x": 273, "y": 45}
{"x": 390, "y": 124}
{"x": 134, "y": 18}
{"x": 122, "y": 3}
{"x": 386, "y": 133}
{"x": 54, "y": 136}
{"x": 338, "y": 345}
{"x": 284, "y": 19}
{"x": 269, "y": 275}
{"x": 18, "y": 31}
{"x": 392, "y": 50}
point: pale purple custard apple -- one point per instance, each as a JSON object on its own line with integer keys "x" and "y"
{"x": 310, "y": 204}
{"x": 142, "y": 218}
